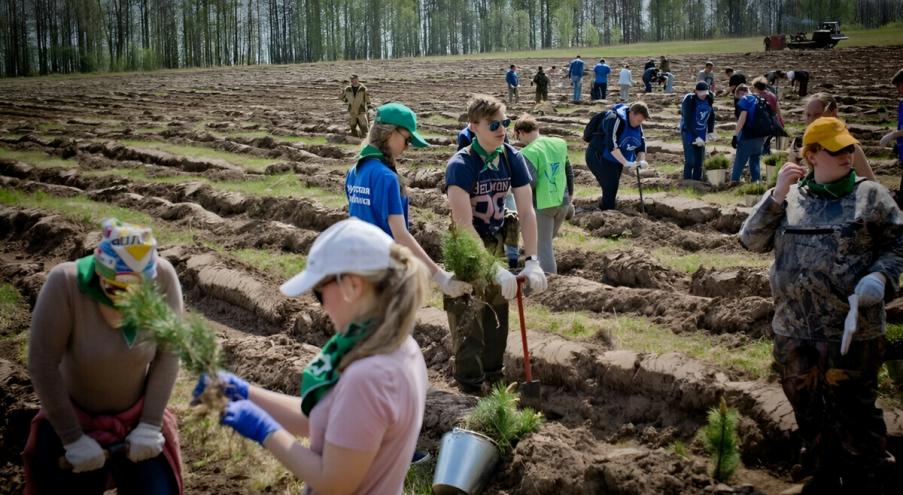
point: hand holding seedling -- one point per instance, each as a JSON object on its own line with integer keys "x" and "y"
{"x": 233, "y": 387}
{"x": 790, "y": 173}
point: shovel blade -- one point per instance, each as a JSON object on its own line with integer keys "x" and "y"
{"x": 530, "y": 394}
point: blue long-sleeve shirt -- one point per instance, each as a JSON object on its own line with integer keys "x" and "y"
{"x": 511, "y": 78}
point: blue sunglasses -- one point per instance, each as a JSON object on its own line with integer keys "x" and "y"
{"x": 494, "y": 125}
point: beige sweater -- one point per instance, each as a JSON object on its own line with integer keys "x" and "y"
{"x": 75, "y": 355}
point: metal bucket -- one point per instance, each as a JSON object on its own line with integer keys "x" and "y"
{"x": 466, "y": 459}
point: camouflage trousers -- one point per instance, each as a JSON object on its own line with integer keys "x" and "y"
{"x": 833, "y": 398}
{"x": 479, "y": 331}
{"x": 358, "y": 124}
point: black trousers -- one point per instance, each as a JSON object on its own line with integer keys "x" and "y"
{"x": 801, "y": 77}
{"x": 600, "y": 91}
{"x": 608, "y": 175}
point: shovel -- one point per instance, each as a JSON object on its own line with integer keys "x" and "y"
{"x": 639, "y": 185}
{"x": 530, "y": 391}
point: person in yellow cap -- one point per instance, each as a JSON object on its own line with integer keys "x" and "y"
{"x": 101, "y": 386}
{"x": 377, "y": 195}
{"x": 838, "y": 243}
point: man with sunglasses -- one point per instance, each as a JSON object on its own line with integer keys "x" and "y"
{"x": 479, "y": 177}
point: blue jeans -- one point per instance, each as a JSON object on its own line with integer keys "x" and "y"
{"x": 578, "y": 86}
{"x": 693, "y": 156}
{"x": 748, "y": 150}
{"x": 150, "y": 477}
{"x": 608, "y": 175}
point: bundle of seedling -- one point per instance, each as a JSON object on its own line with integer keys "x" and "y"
{"x": 466, "y": 257}
{"x": 144, "y": 308}
{"x": 498, "y": 417}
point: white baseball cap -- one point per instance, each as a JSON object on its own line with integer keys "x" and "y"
{"x": 349, "y": 246}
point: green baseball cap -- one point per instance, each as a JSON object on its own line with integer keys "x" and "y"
{"x": 401, "y": 116}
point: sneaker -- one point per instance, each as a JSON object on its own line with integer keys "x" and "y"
{"x": 420, "y": 457}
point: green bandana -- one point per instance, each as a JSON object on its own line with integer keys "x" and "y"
{"x": 488, "y": 158}
{"x": 89, "y": 284}
{"x": 832, "y": 190}
{"x": 322, "y": 373}
{"x": 370, "y": 151}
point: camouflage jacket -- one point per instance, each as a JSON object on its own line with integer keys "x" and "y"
{"x": 822, "y": 249}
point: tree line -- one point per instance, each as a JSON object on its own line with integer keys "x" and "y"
{"x": 62, "y": 36}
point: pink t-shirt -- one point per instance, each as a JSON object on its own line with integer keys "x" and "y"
{"x": 377, "y": 405}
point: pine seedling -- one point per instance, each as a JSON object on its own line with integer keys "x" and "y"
{"x": 498, "y": 417}
{"x": 720, "y": 436}
{"x": 466, "y": 257}
{"x": 144, "y": 308}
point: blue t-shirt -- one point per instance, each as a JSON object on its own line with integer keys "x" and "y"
{"x": 511, "y": 78}
{"x": 576, "y": 68}
{"x": 630, "y": 140}
{"x": 747, "y": 103}
{"x": 699, "y": 125}
{"x": 602, "y": 71}
{"x": 374, "y": 193}
{"x": 487, "y": 186}
{"x": 900, "y": 127}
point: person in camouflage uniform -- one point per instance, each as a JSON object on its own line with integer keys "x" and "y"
{"x": 357, "y": 98}
{"x": 541, "y": 81}
{"x": 834, "y": 235}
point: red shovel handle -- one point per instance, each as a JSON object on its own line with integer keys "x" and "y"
{"x": 528, "y": 372}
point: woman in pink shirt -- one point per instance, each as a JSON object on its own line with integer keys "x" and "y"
{"x": 362, "y": 398}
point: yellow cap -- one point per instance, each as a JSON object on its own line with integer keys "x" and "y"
{"x": 831, "y": 133}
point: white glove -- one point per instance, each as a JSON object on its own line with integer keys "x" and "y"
{"x": 712, "y": 136}
{"x": 85, "y": 454}
{"x": 506, "y": 281}
{"x": 145, "y": 442}
{"x": 449, "y": 286}
{"x": 887, "y": 139}
{"x": 850, "y": 324}
{"x": 870, "y": 289}
{"x": 642, "y": 164}
{"x": 535, "y": 276}
{"x": 698, "y": 142}
{"x": 630, "y": 165}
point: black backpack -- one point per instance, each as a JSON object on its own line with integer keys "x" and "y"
{"x": 764, "y": 121}
{"x": 594, "y": 127}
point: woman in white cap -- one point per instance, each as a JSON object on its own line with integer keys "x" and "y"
{"x": 363, "y": 397}
{"x": 838, "y": 243}
{"x": 103, "y": 390}
{"x": 378, "y": 196}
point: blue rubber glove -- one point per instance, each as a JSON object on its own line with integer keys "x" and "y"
{"x": 870, "y": 289}
{"x": 249, "y": 420}
{"x": 234, "y": 388}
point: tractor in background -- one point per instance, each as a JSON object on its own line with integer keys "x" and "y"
{"x": 826, "y": 36}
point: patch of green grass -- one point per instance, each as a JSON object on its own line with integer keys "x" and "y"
{"x": 889, "y": 35}
{"x": 149, "y": 130}
{"x": 284, "y": 265}
{"x": 572, "y": 237}
{"x": 690, "y": 262}
{"x": 37, "y": 159}
{"x": 90, "y": 213}
{"x": 419, "y": 480}
{"x": 437, "y": 119}
{"x": 679, "y": 448}
{"x": 570, "y": 324}
{"x": 752, "y": 359}
{"x": 276, "y": 186}
{"x": 245, "y": 161}
{"x": 308, "y": 139}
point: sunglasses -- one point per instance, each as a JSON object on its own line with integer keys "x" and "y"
{"x": 842, "y": 151}
{"x": 495, "y": 124}
{"x": 318, "y": 290}
{"x": 407, "y": 139}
